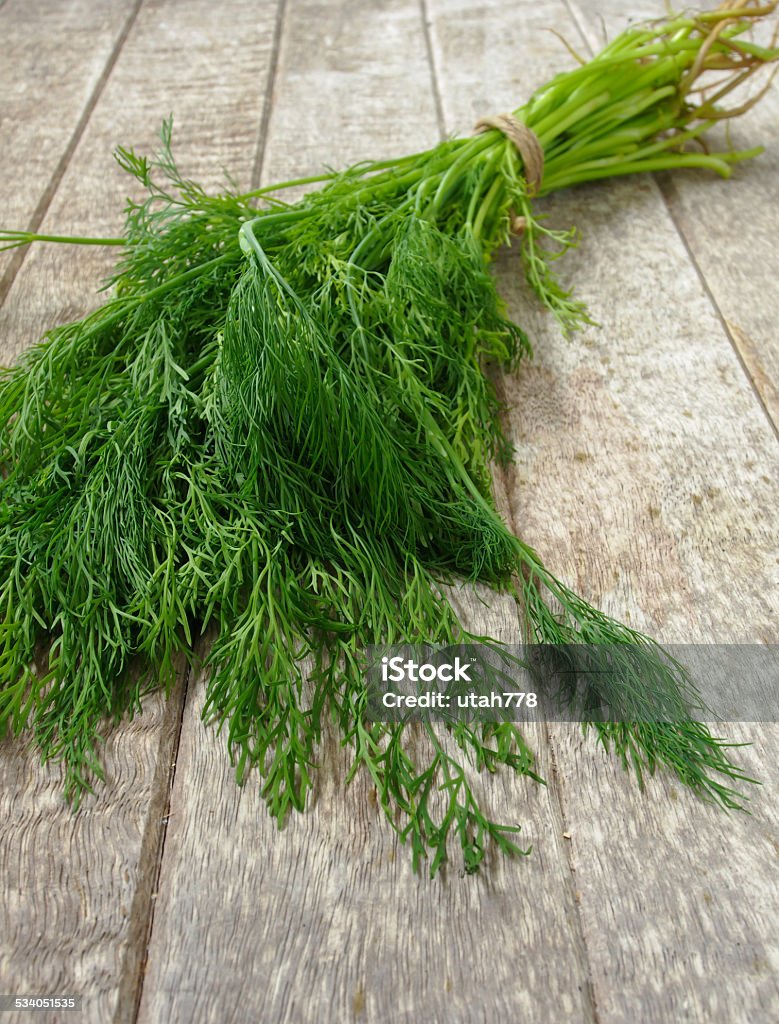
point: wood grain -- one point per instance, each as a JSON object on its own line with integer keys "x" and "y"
{"x": 334, "y": 104}
{"x": 740, "y": 217}
{"x": 328, "y": 913}
{"x": 330, "y": 918}
{"x": 78, "y": 891}
{"x": 730, "y": 226}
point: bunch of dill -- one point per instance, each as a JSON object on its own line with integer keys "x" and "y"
{"x": 280, "y": 429}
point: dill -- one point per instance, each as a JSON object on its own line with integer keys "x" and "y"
{"x": 280, "y": 430}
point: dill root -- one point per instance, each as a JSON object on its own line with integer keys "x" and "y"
{"x": 279, "y": 430}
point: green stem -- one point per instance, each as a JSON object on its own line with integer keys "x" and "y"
{"x": 486, "y": 207}
{"x": 98, "y": 322}
{"x": 440, "y": 439}
{"x": 18, "y": 238}
{"x": 314, "y": 179}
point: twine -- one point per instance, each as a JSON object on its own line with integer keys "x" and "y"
{"x": 526, "y": 142}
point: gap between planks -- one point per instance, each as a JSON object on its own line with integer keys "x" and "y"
{"x": 560, "y": 833}
{"x": 131, "y": 981}
{"x": 270, "y": 89}
{"x": 435, "y": 83}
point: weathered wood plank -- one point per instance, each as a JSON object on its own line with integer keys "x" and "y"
{"x": 740, "y": 218}
{"x": 335, "y": 101}
{"x": 48, "y": 91}
{"x": 330, "y": 918}
{"x": 78, "y": 889}
{"x": 489, "y": 56}
{"x": 327, "y": 912}
{"x": 730, "y": 226}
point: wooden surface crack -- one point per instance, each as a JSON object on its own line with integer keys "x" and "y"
{"x": 435, "y": 84}
{"x": 563, "y": 842}
{"x": 670, "y": 198}
{"x": 145, "y": 902}
{"x": 267, "y": 104}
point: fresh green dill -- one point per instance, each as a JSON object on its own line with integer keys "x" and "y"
{"x": 279, "y": 431}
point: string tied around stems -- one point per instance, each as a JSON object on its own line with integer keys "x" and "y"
{"x": 529, "y": 148}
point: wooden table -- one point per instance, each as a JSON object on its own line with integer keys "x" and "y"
{"x": 647, "y": 474}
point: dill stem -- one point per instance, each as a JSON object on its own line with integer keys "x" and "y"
{"x": 369, "y": 168}
{"x": 77, "y": 239}
{"x": 488, "y": 202}
{"x": 444, "y": 445}
{"x": 97, "y": 322}
{"x": 15, "y": 239}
